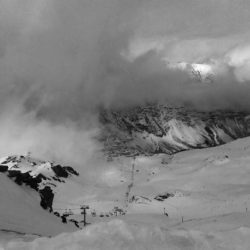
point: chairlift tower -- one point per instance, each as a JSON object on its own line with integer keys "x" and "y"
{"x": 84, "y": 212}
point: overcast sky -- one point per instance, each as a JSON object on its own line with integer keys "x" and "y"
{"x": 61, "y": 59}
{"x": 54, "y": 50}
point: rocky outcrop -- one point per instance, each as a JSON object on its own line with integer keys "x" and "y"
{"x": 60, "y": 171}
{"x": 155, "y": 128}
{"x": 47, "y": 197}
{"x": 41, "y": 176}
{"x": 162, "y": 197}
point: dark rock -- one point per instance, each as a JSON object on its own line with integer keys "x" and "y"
{"x": 26, "y": 178}
{"x": 3, "y": 168}
{"x": 47, "y": 197}
{"x": 71, "y": 170}
{"x": 57, "y": 214}
{"x": 162, "y": 197}
{"x": 60, "y": 171}
{"x": 64, "y": 220}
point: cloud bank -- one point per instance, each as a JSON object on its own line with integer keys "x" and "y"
{"x": 61, "y": 61}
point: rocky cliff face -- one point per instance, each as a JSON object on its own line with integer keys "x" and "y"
{"x": 156, "y": 128}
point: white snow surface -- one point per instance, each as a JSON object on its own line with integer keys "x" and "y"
{"x": 21, "y": 212}
{"x": 209, "y": 207}
{"x": 65, "y": 189}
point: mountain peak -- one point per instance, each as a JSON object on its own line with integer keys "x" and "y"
{"x": 201, "y": 72}
{"x": 42, "y": 176}
{"x": 159, "y": 128}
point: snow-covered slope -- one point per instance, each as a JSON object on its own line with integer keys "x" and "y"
{"x": 41, "y": 176}
{"x": 50, "y": 187}
{"x": 194, "y": 184}
{"x": 205, "y": 193}
{"x": 155, "y": 128}
{"x": 21, "y": 213}
{"x": 196, "y": 199}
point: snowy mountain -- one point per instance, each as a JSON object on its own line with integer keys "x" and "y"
{"x": 194, "y": 195}
{"x": 200, "y": 72}
{"x": 41, "y": 176}
{"x": 158, "y": 128}
{"x": 20, "y": 211}
{"x": 205, "y": 193}
{"x": 52, "y": 183}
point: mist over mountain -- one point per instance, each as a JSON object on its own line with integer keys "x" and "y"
{"x": 60, "y": 63}
{"x": 135, "y": 110}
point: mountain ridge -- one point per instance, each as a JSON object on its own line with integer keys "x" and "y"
{"x": 41, "y": 176}
{"x": 159, "y": 128}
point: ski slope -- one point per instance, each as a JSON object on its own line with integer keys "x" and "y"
{"x": 21, "y": 212}
{"x": 206, "y": 193}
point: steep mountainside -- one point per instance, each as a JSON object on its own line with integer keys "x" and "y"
{"x": 39, "y": 175}
{"x": 156, "y": 128}
{"x": 21, "y": 213}
{"x": 24, "y": 183}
